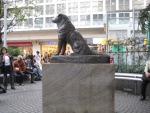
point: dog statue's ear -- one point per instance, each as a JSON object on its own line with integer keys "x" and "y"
{"x": 60, "y": 15}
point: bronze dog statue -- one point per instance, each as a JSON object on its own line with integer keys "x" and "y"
{"x": 68, "y": 34}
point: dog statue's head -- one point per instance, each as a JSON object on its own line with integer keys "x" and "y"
{"x": 60, "y": 18}
{"x": 63, "y": 23}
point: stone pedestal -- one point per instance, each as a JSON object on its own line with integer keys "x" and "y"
{"x": 78, "y": 88}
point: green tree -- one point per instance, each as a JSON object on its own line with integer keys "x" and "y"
{"x": 144, "y": 17}
{"x": 16, "y": 13}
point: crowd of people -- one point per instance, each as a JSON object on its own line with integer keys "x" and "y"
{"x": 18, "y": 68}
{"x": 31, "y": 65}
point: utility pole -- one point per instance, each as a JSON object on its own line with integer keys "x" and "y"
{"x": 5, "y": 24}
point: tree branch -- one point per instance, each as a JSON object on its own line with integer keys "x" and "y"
{"x": 11, "y": 23}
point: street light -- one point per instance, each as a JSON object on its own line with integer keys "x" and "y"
{"x": 5, "y": 23}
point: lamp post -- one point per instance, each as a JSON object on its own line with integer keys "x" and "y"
{"x": 5, "y": 23}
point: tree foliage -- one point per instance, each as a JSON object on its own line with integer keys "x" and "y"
{"x": 17, "y": 12}
{"x": 144, "y": 19}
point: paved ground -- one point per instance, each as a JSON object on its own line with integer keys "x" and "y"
{"x": 28, "y": 99}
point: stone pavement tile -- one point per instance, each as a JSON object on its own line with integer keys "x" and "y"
{"x": 25, "y": 99}
{"x": 28, "y": 99}
{"x": 127, "y": 103}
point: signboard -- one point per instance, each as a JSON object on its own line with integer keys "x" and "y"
{"x": 118, "y": 48}
{"x": 48, "y": 42}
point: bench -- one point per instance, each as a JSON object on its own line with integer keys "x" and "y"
{"x": 129, "y": 76}
{"x": 26, "y": 77}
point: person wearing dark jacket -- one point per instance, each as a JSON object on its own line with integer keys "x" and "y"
{"x": 36, "y": 68}
{"x": 29, "y": 69}
{"x": 145, "y": 81}
{"x": 6, "y": 67}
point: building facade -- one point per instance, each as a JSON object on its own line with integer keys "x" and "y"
{"x": 88, "y": 16}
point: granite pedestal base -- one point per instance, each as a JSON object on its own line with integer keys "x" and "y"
{"x": 78, "y": 88}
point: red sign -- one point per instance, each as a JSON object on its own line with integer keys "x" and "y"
{"x": 19, "y": 43}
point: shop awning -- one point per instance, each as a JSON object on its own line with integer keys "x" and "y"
{"x": 19, "y": 43}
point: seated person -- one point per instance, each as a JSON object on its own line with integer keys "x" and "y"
{"x": 29, "y": 69}
{"x": 146, "y": 80}
{"x": 36, "y": 68}
{"x": 19, "y": 68}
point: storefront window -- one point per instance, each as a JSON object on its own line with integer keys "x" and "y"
{"x": 26, "y": 50}
{"x": 97, "y": 19}
{"x": 85, "y": 20}
{"x": 50, "y": 9}
{"x": 49, "y": 22}
{"x": 52, "y": 49}
{"x": 73, "y": 7}
{"x": 98, "y": 6}
{"x": 85, "y": 7}
{"x": 61, "y": 8}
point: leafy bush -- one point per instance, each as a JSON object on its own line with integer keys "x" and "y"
{"x": 129, "y": 68}
{"x": 14, "y": 51}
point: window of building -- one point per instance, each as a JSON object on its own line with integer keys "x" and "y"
{"x": 74, "y": 19}
{"x": 124, "y": 18}
{"x": 123, "y": 4}
{"x": 61, "y": 0}
{"x": 49, "y": 1}
{"x": 112, "y": 18}
{"x": 85, "y": 20}
{"x": 48, "y": 22}
{"x": 39, "y": 10}
{"x": 97, "y": 19}
{"x": 110, "y": 5}
{"x": 29, "y": 12}
{"x": 61, "y": 8}
{"x": 147, "y": 2}
{"x": 50, "y": 9}
{"x": 85, "y": 7}
{"x": 19, "y": 25}
{"x": 136, "y": 15}
{"x": 98, "y": 6}
{"x": 27, "y": 2}
{"x": 39, "y": 1}
{"x": 137, "y": 4}
{"x": 9, "y": 14}
{"x": 29, "y": 23}
{"x": 73, "y": 0}
{"x": 73, "y": 7}
{"x": 38, "y": 22}
{"x": 20, "y": 2}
